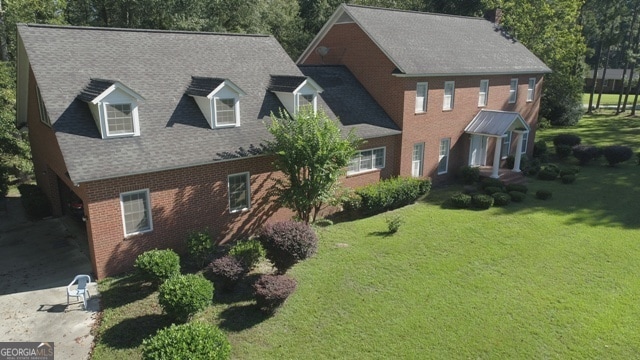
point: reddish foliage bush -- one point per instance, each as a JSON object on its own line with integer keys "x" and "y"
{"x": 229, "y": 270}
{"x": 271, "y": 291}
{"x": 288, "y": 242}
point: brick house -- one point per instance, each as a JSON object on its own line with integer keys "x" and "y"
{"x": 159, "y": 133}
{"x": 462, "y": 91}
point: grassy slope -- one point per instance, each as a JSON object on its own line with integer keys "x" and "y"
{"x": 607, "y": 99}
{"x": 541, "y": 279}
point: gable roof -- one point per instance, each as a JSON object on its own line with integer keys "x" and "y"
{"x": 159, "y": 64}
{"x": 427, "y": 44}
{"x": 97, "y": 89}
{"x": 285, "y": 83}
{"x": 495, "y": 123}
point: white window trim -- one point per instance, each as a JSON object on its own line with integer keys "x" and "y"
{"x": 124, "y": 225}
{"x": 44, "y": 116}
{"x": 236, "y": 110}
{"x": 446, "y": 106}
{"x": 440, "y": 156}
{"x": 531, "y": 90}
{"x": 248, "y": 197}
{"x": 421, "y": 160}
{"x": 485, "y": 92}
{"x": 373, "y": 161}
{"x": 314, "y": 102}
{"x": 422, "y": 108}
{"x": 134, "y": 119}
{"x": 506, "y": 145}
{"x": 525, "y": 142}
{"x": 513, "y": 91}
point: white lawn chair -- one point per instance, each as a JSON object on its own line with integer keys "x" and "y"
{"x": 80, "y": 290}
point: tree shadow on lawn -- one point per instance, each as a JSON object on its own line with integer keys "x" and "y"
{"x": 129, "y": 333}
{"x": 126, "y": 290}
{"x": 241, "y": 317}
{"x": 241, "y": 292}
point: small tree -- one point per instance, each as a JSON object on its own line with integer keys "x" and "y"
{"x": 312, "y": 153}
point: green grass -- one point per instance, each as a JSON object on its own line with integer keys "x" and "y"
{"x": 538, "y": 279}
{"x": 607, "y": 99}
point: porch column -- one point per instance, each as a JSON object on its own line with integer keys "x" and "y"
{"x": 518, "y": 157}
{"x": 496, "y": 158}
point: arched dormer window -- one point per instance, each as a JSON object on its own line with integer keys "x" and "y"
{"x": 294, "y": 92}
{"x": 218, "y": 99}
{"x": 114, "y": 107}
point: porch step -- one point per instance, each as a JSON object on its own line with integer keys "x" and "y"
{"x": 505, "y": 175}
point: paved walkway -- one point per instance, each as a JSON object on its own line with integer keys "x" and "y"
{"x": 37, "y": 260}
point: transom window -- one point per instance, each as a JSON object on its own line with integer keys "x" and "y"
{"x": 136, "y": 213}
{"x": 449, "y": 93}
{"x": 443, "y": 156}
{"x": 421, "y": 97}
{"x": 367, "y": 160}
{"x": 239, "y": 192}
{"x": 483, "y": 95}
{"x": 119, "y": 119}
{"x": 225, "y": 111}
{"x": 513, "y": 91}
{"x": 531, "y": 89}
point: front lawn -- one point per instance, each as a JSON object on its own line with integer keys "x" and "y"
{"x": 538, "y": 279}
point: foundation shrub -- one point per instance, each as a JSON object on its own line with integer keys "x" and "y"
{"x": 517, "y": 196}
{"x": 186, "y": 341}
{"x": 517, "y": 187}
{"x": 158, "y": 265}
{"x": 460, "y": 200}
{"x": 228, "y": 270}
{"x": 199, "y": 246}
{"x": 481, "y": 201}
{"x": 182, "y": 296}
{"x": 271, "y": 291}
{"x": 392, "y": 193}
{"x": 470, "y": 174}
{"x": 501, "y": 199}
{"x": 249, "y": 252}
{"x": 287, "y": 243}
{"x": 490, "y": 190}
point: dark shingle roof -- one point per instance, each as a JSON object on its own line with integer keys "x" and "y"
{"x": 345, "y": 98}
{"x": 159, "y": 64}
{"x": 436, "y": 44}
{"x": 285, "y": 83}
{"x": 203, "y": 86}
{"x": 94, "y": 88}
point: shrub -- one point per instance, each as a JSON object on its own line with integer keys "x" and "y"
{"x": 566, "y": 139}
{"x": 616, "y": 154}
{"x": 181, "y": 296}
{"x": 490, "y": 190}
{"x": 271, "y": 291}
{"x": 470, "y": 174}
{"x": 229, "y": 270}
{"x": 532, "y": 167}
{"x": 351, "y": 202}
{"x": 517, "y": 196}
{"x": 393, "y": 223}
{"x": 249, "y": 252}
{"x": 544, "y": 123}
{"x": 517, "y": 187}
{"x": 540, "y": 149}
{"x": 460, "y": 200}
{"x": 35, "y": 201}
{"x": 548, "y": 174}
{"x": 585, "y": 153}
{"x": 481, "y": 201}
{"x": 569, "y": 170}
{"x": 287, "y": 242}
{"x": 510, "y": 161}
{"x": 186, "y": 341}
{"x": 158, "y": 265}
{"x": 501, "y": 199}
{"x": 543, "y": 194}
{"x": 199, "y": 246}
{"x": 491, "y": 182}
{"x": 392, "y": 193}
{"x": 568, "y": 179}
{"x": 563, "y": 151}
{"x": 4, "y": 180}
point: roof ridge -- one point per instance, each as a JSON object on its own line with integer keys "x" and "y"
{"x": 71, "y": 27}
{"x": 416, "y": 12}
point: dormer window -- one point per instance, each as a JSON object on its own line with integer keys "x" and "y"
{"x": 114, "y": 107}
{"x": 218, "y": 99}
{"x": 295, "y": 92}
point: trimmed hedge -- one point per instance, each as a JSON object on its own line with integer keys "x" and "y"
{"x": 540, "y": 149}
{"x": 181, "y": 296}
{"x": 501, "y": 199}
{"x": 491, "y": 182}
{"x": 563, "y": 151}
{"x": 158, "y": 265}
{"x": 481, "y": 201}
{"x": 543, "y": 194}
{"x": 616, "y": 154}
{"x": 568, "y": 179}
{"x": 271, "y": 291}
{"x": 470, "y": 174}
{"x": 287, "y": 243}
{"x": 566, "y": 139}
{"x": 249, "y": 251}
{"x": 392, "y": 193}
{"x": 229, "y": 270}
{"x": 187, "y": 341}
{"x": 569, "y": 170}
{"x": 517, "y": 196}
{"x": 517, "y": 187}
{"x": 585, "y": 153}
{"x": 460, "y": 200}
{"x": 490, "y": 190}
{"x": 35, "y": 201}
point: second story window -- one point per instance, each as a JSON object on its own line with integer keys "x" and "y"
{"x": 307, "y": 100}
{"x": 531, "y": 88}
{"x": 449, "y": 93}
{"x": 513, "y": 91}
{"x": 421, "y": 97}
{"x": 483, "y": 95}
{"x": 119, "y": 119}
{"x": 225, "y": 111}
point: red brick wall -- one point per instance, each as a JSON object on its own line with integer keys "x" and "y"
{"x": 351, "y": 47}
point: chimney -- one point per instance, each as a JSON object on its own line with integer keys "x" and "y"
{"x": 494, "y": 15}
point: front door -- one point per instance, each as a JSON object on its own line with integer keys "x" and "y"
{"x": 478, "y": 151}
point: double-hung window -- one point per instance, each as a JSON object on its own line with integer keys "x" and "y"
{"x": 443, "y": 157}
{"x": 531, "y": 88}
{"x": 421, "y": 97}
{"x": 119, "y": 119}
{"x": 525, "y": 141}
{"x": 513, "y": 91}
{"x": 136, "y": 212}
{"x": 506, "y": 145}
{"x": 239, "y": 192}
{"x": 449, "y": 94}
{"x": 367, "y": 160}
{"x": 417, "y": 160}
{"x": 483, "y": 95}
{"x": 225, "y": 111}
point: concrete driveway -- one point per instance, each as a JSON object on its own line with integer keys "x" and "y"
{"x": 38, "y": 259}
